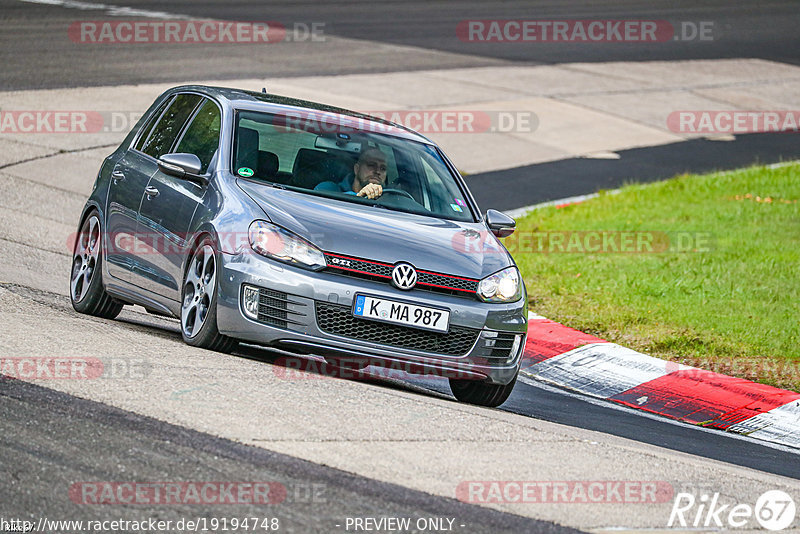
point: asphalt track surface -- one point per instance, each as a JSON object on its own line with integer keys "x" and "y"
{"x": 550, "y": 404}
{"x": 533, "y": 184}
{"x": 34, "y": 35}
{"x": 87, "y": 441}
{"x": 540, "y": 401}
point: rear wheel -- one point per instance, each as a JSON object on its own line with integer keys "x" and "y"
{"x": 481, "y": 393}
{"x": 199, "y": 301}
{"x": 86, "y": 276}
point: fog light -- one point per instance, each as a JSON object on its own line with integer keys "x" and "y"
{"x": 515, "y": 347}
{"x": 250, "y": 301}
{"x": 490, "y": 338}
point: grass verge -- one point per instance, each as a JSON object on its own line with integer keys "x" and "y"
{"x": 702, "y": 270}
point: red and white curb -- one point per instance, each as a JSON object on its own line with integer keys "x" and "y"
{"x": 571, "y": 359}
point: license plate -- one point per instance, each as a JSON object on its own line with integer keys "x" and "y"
{"x": 392, "y": 311}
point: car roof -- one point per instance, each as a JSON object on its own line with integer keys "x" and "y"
{"x": 270, "y": 103}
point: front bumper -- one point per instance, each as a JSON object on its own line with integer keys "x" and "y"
{"x": 317, "y": 320}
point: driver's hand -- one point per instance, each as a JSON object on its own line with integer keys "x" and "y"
{"x": 371, "y": 191}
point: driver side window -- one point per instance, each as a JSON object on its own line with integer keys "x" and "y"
{"x": 201, "y": 137}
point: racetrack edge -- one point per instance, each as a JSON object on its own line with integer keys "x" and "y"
{"x": 571, "y": 359}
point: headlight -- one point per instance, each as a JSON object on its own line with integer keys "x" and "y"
{"x": 279, "y": 244}
{"x": 504, "y": 286}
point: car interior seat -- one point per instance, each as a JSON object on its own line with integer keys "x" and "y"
{"x": 267, "y": 167}
{"x": 311, "y": 167}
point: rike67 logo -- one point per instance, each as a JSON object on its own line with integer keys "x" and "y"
{"x": 774, "y": 510}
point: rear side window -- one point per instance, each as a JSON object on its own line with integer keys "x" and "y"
{"x": 163, "y": 135}
{"x": 202, "y": 136}
{"x": 150, "y": 123}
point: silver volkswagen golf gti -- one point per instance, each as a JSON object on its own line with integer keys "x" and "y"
{"x": 307, "y": 228}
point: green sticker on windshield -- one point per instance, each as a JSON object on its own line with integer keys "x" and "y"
{"x": 247, "y": 172}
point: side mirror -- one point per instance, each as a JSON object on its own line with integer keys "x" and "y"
{"x": 183, "y": 166}
{"x": 499, "y": 223}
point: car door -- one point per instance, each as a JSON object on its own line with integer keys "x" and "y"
{"x": 169, "y": 204}
{"x": 129, "y": 178}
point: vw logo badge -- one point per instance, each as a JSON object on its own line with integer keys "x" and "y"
{"x": 404, "y": 276}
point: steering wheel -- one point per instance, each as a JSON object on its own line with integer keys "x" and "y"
{"x": 397, "y": 192}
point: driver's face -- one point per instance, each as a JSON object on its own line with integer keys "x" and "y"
{"x": 371, "y": 170}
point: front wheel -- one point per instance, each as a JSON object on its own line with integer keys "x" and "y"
{"x": 481, "y": 393}
{"x": 199, "y": 301}
{"x": 86, "y": 290}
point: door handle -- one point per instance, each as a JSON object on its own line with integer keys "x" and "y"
{"x": 150, "y": 191}
{"x": 117, "y": 175}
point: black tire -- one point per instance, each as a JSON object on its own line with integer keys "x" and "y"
{"x": 481, "y": 393}
{"x": 199, "y": 300}
{"x": 86, "y": 290}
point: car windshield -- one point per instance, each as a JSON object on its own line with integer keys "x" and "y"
{"x": 314, "y": 155}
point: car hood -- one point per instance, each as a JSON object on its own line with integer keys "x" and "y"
{"x": 340, "y": 227}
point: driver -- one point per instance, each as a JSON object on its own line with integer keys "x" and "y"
{"x": 368, "y": 179}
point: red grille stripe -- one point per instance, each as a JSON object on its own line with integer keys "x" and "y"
{"x": 446, "y": 287}
{"x": 431, "y": 273}
{"x": 357, "y": 271}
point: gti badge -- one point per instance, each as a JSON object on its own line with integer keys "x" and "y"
{"x": 404, "y": 276}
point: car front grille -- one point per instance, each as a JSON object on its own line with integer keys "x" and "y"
{"x": 382, "y": 272}
{"x": 337, "y": 320}
{"x": 274, "y": 310}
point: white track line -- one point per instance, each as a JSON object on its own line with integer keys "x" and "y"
{"x": 115, "y": 11}
{"x": 521, "y": 212}
{"x": 600, "y": 369}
